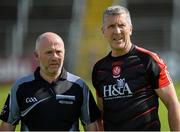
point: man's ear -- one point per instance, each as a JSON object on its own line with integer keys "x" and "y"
{"x": 131, "y": 30}
{"x": 36, "y": 55}
{"x": 102, "y": 29}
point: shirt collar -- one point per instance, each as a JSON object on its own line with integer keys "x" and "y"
{"x": 125, "y": 55}
{"x": 62, "y": 76}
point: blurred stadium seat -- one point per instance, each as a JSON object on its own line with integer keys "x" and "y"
{"x": 21, "y": 21}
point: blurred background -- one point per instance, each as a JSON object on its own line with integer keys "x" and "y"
{"x": 78, "y": 22}
{"x": 156, "y": 26}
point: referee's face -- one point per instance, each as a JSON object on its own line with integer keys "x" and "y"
{"x": 50, "y": 56}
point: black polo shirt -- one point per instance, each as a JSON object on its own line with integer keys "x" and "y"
{"x": 127, "y": 86}
{"x": 41, "y": 105}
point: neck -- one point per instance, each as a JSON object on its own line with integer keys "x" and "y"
{"x": 50, "y": 78}
{"x": 121, "y": 52}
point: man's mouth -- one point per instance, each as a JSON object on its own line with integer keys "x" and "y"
{"x": 118, "y": 39}
{"x": 54, "y": 65}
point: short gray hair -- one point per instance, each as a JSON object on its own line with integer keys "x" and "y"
{"x": 117, "y": 10}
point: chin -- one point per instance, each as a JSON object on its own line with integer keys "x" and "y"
{"x": 119, "y": 47}
{"x": 54, "y": 71}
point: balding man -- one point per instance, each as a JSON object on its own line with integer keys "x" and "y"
{"x": 51, "y": 98}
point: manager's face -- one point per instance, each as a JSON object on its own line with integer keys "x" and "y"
{"x": 117, "y": 30}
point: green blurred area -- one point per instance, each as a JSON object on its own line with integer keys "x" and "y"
{"x": 162, "y": 110}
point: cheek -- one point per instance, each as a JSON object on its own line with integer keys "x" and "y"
{"x": 106, "y": 32}
{"x": 61, "y": 59}
{"x": 127, "y": 33}
{"x": 107, "y": 35}
{"x": 43, "y": 59}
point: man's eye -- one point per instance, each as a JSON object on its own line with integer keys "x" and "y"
{"x": 49, "y": 52}
{"x": 122, "y": 26}
{"x": 58, "y": 52}
{"x": 111, "y": 26}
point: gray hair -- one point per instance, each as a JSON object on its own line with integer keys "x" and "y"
{"x": 117, "y": 10}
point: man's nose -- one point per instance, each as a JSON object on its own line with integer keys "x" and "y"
{"x": 117, "y": 30}
{"x": 54, "y": 55}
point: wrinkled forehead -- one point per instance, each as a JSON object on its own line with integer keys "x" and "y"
{"x": 116, "y": 18}
{"x": 49, "y": 40}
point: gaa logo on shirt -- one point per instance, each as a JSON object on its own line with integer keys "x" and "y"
{"x": 116, "y": 71}
{"x": 31, "y": 99}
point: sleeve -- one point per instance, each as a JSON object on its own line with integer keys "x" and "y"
{"x": 160, "y": 72}
{"x": 95, "y": 80}
{"x": 10, "y": 112}
{"x": 89, "y": 109}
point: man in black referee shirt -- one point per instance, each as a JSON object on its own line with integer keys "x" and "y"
{"x": 130, "y": 79}
{"x": 51, "y": 98}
